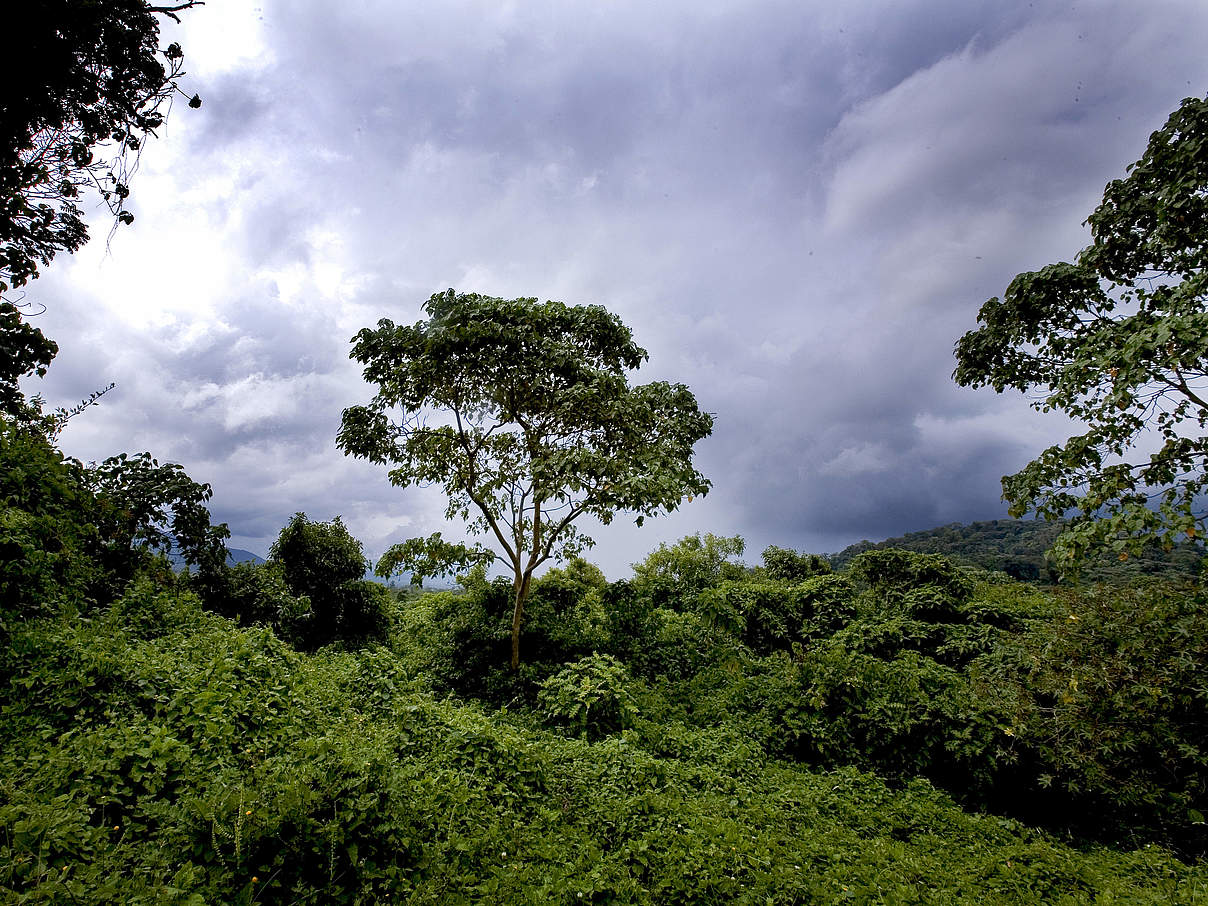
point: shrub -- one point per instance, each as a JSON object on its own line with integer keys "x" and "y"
{"x": 901, "y": 716}
{"x": 317, "y": 557}
{"x": 253, "y": 593}
{"x": 828, "y": 603}
{"x": 674, "y": 575}
{"x": 682, "y": 645}
{"x": 591, "y": 697}
{"x": 204, "y": 763}
{"x": 765, "y": 616}
{"x": 930, "y": 586}
{"x": 45, "y": 541}
{"x": 789, "y": 566}
{"x": 323, "y": 564}
{"x": 1106, "y": 701}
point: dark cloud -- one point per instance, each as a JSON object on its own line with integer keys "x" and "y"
{"x": 798, "y": 207}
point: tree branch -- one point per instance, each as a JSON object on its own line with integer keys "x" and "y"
{"x": 171, "y": 11}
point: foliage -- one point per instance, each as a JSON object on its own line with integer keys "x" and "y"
{"x": 140, "y": 505}
{"x": 591, "y": 697}
{"x": 828, "y": 602}
{"x": 789, "y": 566}
{"x": 1106, "y": 701}
{"x": 45, "y": 538}
{"x": 901, "y": 713}
{"x": 462, "y": 640}
{"x": 426, "y": 558}
{"x": 765, "y": 616}
{"x": 679, "y": 646}
{"x": 255, "y": 594}
{"x": 24, "y": 351}
{"x": 317, "y": 557}
{"x": 67, "y": 530}
{"x": 1017, "y": 547}
{"x": 675, "y": 574}
{"x": 540, "y": 425}
{"x": 465, "y": 636}
{"x": 201, "y": 763}
{"x": 323, "y": 564}
{"x": 897, "y": 572}
{"x": 1116, "y": 340}
{"x": 92, "y": 81}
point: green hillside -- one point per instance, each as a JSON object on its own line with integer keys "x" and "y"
{"x": 1017, "y": 547}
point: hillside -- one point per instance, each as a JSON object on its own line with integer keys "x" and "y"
{"x": 1016, "y": 547}
{"x": 235, "y": 555}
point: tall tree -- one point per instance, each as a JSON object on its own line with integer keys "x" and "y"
{"x": 522, "y": 412}
{"x": 86, "y": 85}
{"x": 1119, "y": 341}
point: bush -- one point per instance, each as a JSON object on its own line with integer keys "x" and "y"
{"x": 323, "y": 564}
{"x": 828, "y": 603}
{"x": 902, "y": 716}
{"x": 253, "y": 593}
{"x": 317, "y": 557}
{"x": 765, "y": 616}
{"x": 468, "y": 638}
{"x": 590, "y": 696}
{"x": 674, "y": 575}
{"x": 930, "y": 586}
{"x": 683, "y": 644}
{"x": 789, "y": 566}
{"x": 1106, "y": 702}
{"x": 45, "y": 539}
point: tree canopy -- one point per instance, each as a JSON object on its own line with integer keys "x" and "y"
{"x": 24, "y": 351}
{"x": 1119, "y": 341}
{"x": 91, "y": 86}
{"x": 522, "y": 412}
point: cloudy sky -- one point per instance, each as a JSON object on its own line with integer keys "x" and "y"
{"x": 797, "y": 206}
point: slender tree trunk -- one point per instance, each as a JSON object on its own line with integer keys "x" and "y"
{"x": 521, "y": 589}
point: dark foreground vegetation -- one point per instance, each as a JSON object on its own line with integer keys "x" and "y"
{"x": 906, "y": 731}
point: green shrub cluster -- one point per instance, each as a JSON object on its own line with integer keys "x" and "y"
{"x": 312, "y": 591}
{"x": 591, "y": 697}
{"x": 155, "y": 753}
{"x": 1081, "y": 712}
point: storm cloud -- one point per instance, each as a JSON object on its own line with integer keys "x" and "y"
{"x": 798, "y": 208}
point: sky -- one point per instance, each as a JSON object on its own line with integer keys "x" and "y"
{"x": 798, "y": 207}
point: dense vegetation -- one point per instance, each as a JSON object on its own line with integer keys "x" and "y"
{"x": 906, "y": 731}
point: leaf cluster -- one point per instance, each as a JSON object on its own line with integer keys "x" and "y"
{"x": 94, "y": 86}
{"x": 1117, "y": 341}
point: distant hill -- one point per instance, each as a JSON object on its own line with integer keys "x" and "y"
{"x": 1016, "y": 547}
{"x": 234, "y": 555}
{"x": 238, "y": 555}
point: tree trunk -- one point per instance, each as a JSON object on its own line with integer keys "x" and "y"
{"x": 521, "y": 588}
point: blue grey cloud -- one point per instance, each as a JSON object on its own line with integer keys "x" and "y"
{"x": 798, "y": 207}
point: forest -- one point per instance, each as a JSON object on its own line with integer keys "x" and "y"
{"x": 907, "y": 730}
{"x": 1007, "y": 712}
